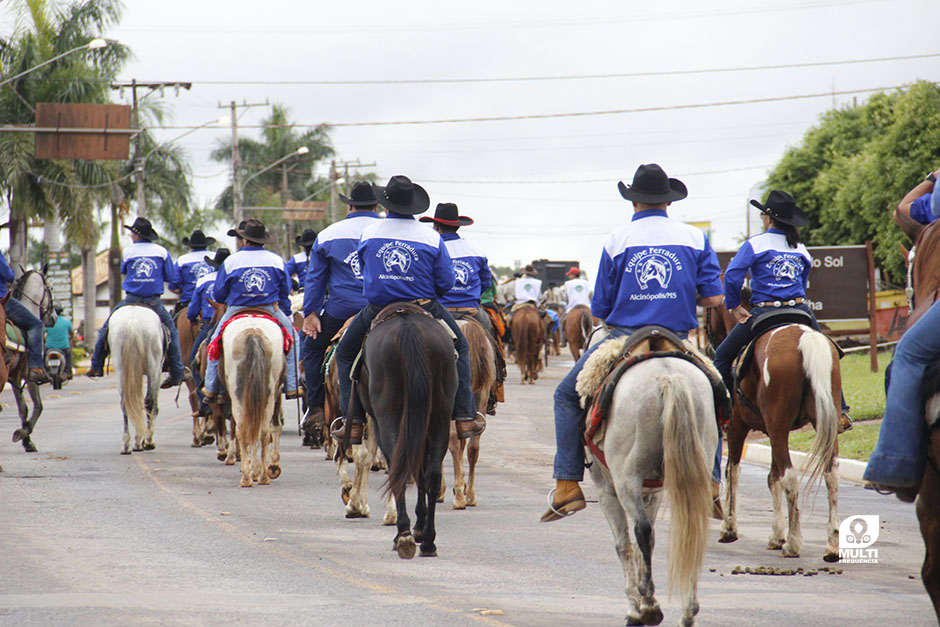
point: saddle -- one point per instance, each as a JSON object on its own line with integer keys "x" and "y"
{"x": 649, "y": 342}
{"x": 214, "y": 350}
{"x": 15, "y": 338}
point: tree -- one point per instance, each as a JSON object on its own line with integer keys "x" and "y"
{"x": 853, "y": 167}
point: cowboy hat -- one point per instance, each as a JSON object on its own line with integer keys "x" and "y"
{"x": 652, "y": 187}
{"x": 220, "y": 255}
{"x": 402, "y": 196}
{"x": 446, "y": 213}
{"x": 198, "y": 240}
{"x": 143, "y": 229}
{"x": 254, "y": 232}
{"x": 781, "y": 207}
{"x": 360, "y": 196}
{"x": 529, "y": 270}
{"x": 307, "y": 239}
{"x": 234, "y": 232}
{"x": 573, "y": 271}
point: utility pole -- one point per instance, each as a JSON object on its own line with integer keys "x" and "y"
{"x": 334, "y": 176}
{"x": 334, "y": 200}
{"x": 138, "y": 149}
{"x": 236, "y": 160}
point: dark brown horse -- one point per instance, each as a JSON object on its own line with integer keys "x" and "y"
{"x": 577, "y": 324}
{"x": 187, "y": 332}
{"x": 407, "y": 384}
{"x": 528, "y": 335}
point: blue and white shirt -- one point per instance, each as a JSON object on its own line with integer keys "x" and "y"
{"x": 922, "y": 209}
{"x": 202, "y": 294}
{"x": 650, "y": 272}
{"x": 192, "y": 266}
{"x": 471, "y": 272}
{"x": 252, "y": 276}
{"x": 6, "y": 276}
{"x": 778, "y": 272}
{"x": 401, "y": 259}
{"x": 297, "y": 265}
{"x": 146, "y": 266}
{"x": 333, "y": 272}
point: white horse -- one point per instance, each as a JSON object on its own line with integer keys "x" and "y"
{"x": 661, "y": 425}
{"x": 254, "y": 367}
{"x": 137, "y": 339}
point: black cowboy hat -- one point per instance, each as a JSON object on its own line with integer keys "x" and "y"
{"x": 652, "y": 186}
{"x": 234, "y": 232}
{"x": 143, "y": 228}
{"x": 361, "y": 195}
{"x": 782, "y": 208}
{"x": 529, "y": 270}
{"x": 402, "y": 196}
{"x": 254, "y": 232}
{"x": 198, "y": 240}
{"x": 446, "y": 213}
{"x": 220, "y": 255}
{"x": 306, "y": 239}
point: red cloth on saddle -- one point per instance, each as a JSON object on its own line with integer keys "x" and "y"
{"x": 215, "y": 346}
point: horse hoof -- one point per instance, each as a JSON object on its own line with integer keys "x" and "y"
{"x": 345, "y": 495}
{"x": 789, "y": 552}
{"x": 418, "y": 535}
{"x": 354, "y": 513}
{"x": 208, "y": 439}
{"x": 727, "y": 537}
{"x": 149, "y": 446}
{"x": 220, "y": 456}
{"x": 264, "y": 481}
{"x": 831, "y": 557}
{"x": 19, "y": 434}
{"x": 246, "y": 482}
{"x": 196, "y": 443}
{"x": 461, "y": 505}
{"x": 29, "y": 447}
{"x": 405, "y": 547}
{"x": 429, "y": 552}
{"x": 775, "y": 545}
{"x": 274, "y": 471}
{"x": 125, "y": 452}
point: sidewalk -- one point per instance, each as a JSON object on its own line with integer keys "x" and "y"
{"x": 849, "y": 469}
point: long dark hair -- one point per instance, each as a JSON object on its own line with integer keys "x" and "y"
{"x": 791, "y": 232}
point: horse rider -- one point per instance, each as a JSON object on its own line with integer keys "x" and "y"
{"x": 22, "y": 317}
{"x": 628, "y": 299}
{"x": 61, "y": 337}
{"x": 253, "y": 278}
{"x": 897, "y": 464}
{"x": 577, "y": 290}
{"x": 527, "y": 288}
{"x": 202, "y": 304}
{"x": 779, "y": 265}
{"x": 297, "y": 265}
{"x": 147, "y": 266}
{"x": 192, "y": 265}
{"x": 471, "y": 268}
{"x": 401, "y": 260}
{"x": 333, "y": 291}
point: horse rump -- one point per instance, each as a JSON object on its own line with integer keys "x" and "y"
{"x": 252, "y": 358}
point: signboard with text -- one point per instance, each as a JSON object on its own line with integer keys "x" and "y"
{"x": 59, "y": 278}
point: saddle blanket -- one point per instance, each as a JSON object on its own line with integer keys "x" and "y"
{"x": 214, "y": 349}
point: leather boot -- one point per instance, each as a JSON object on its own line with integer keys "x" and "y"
{"x": 718, "y": 512}
{"x": 845, "y": 423}
{"x": 469, "y": 428}
{"x": 355, "y": 434}
{"x": 567, "y": 500}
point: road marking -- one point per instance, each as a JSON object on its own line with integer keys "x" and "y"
{"x": 284, "y": 554}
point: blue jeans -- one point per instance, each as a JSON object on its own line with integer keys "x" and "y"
{"x": 212, "y": 369}
{"x": 174, "y": 359}
{"x": 22, "y": 317}
{"x": 314, "y": 350}
{"x": 351, "y": 343}
{"x": 900, "y": 455}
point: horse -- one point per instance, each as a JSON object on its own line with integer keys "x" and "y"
{"x": 577, "y": 325}
{"x": 254, "y": 367}
{"x": 659, "y": 432}
{"x": 407, "y": 384}
{"x": 483, "y": 372}
{"x": 553, "y": 338}
{"x": 187, "y": 332}
{"x": 34, "y": 294}
{"x": 787, "y": 358}
{"x": 528, "y": 336}
{"x": 137, "y": 339}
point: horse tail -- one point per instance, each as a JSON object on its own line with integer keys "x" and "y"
{"x": 416, "y": 407}
{"x": 133, "y": 356}
{"x": 252, "y": 377}
{"x": 482, "y": 359}
{"x": 817, "y": 366}
{"x": 687, "y": 479}
{"x": 587, "y": 325}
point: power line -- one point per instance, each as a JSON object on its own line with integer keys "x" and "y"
{"x": 569, "y": 181}
{"x": 575, "y": 77}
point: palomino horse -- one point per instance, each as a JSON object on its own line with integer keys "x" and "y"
{"x": 660, "y": 428}
{"x": 528, "y": 334}
{"x": 407, "y": 383}
{"x": 793, "y": 379}
{"x": 924, "y": 282}
{"x": 483, "y": 372}
{"x": 577, "y": 325}
{"x": 137, "y": 339}
{"x": 33, "y": 293}
{"x": 254, "y": 366}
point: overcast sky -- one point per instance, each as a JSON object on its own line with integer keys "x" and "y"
{"x": 537, "y": 188}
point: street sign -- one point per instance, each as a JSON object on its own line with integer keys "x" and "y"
{"x": 303, "y": 215}
{"x": 59, "y": 278}
{"x": 84, "y": 142}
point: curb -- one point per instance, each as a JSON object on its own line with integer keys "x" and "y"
{"x": 849, "y": 469}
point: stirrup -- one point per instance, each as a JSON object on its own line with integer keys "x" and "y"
{"x": 551, "y": 505}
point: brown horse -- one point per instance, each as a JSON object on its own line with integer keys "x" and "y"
{"x": 528, "y": 335}
{"x": 553, "y": 338}
{"x": 187, "y": 332}
{"x": 577, "y": 324}
{"x": 787, "y": 359}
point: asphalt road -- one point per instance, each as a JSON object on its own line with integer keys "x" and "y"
{"x": 91, "y": 537}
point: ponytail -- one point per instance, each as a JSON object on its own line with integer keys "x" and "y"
{"x": 791, "y": 232}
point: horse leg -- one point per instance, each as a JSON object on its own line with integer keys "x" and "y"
{"x": 737, "y": 431}
{"x": 274, "y": 464}
{"x": 473, "y": 455}
{"x": 358, "y": 506}
{"x": 630, "y": 496}
{"x": 266, "y": 446}
{"x": 928, "y": 515}
{"x": 832, "y": 530}
{"x": 30, "y": 424}
{"x": 234, "y": 452}
{"x": 777, "y": 536}
{"x": 246, "y": 454}
{"x": 619, "y": 526}
{"x": 22, "y": 434}
{"x": 126, "y": 450}
{"x": 456, "y": 448}
{"x": 404, "y": 543}
{"x": 431, "y": 482}
{"x": 791, "y": 488}
{"x": 150, "y": 406}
